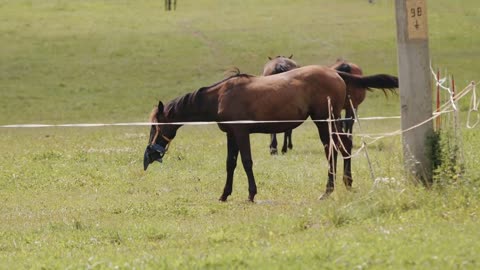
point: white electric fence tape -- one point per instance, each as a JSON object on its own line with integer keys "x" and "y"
{"x": 443, "y": 109}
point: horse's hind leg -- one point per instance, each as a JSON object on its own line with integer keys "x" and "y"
{"x": 349, "y": 121}
{"x": 346, "y": 148}
{"x": 347, "y": 173}
{"x": 273, "y": 144}
{"x": 232, "y": 154}
{"x": 331, "y": 155}
{"x": 344, "y": 143}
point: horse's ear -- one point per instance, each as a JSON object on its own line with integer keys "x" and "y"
{"x": 160, "y": 115}
{"x": 269, "y": 58}
{"x": 160, "y": 106}
{"x": 290, "y": 57}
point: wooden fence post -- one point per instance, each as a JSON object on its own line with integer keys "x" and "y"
{"x": 415, "y": 86}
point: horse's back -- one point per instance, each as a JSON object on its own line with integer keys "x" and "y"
{"x": 319, "y": 80}
{"x": 326, "y": 85}
{"x": 310, "y": 80}
{"x": 279, "y": 65}
{"x": 292, "y": 95}
{"x": 345, "y": 66}
{"x": 356, "y": 94}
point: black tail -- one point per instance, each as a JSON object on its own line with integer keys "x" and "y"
{"x": 380, "y": 81}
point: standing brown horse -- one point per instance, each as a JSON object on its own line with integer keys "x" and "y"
{"x": 294, "y": 95}
{"x": 355, "y": 94}
{"x": 277, "y": 65}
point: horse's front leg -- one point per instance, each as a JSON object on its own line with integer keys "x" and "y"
{"x": 290, "y": 145}
{"x": 243, "y": 142}
{"x": 232, "y": 154}
{"x": 287, "y": 141}
{"x": 273, "y": 144}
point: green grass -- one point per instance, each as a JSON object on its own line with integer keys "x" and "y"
{"x": 78, "y": 197}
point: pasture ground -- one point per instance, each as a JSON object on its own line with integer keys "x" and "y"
{"x": 78, "y": 197}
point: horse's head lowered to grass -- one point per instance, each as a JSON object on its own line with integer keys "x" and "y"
{"x": 160, "y": 136}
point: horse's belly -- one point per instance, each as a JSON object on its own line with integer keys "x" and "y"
{"x": 273, "y": 127}
{"x": 266, "y": 128}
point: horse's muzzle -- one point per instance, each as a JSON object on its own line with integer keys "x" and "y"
{"x": 153, "y": 153}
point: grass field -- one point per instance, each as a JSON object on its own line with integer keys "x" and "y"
{"x": 78, "y": 198}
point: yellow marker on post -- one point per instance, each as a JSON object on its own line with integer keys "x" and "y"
{"x": 417, "y": 19}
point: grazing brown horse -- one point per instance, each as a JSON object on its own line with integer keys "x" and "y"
{"x": 277, "y": 65}
{"x": 294, "y": 95}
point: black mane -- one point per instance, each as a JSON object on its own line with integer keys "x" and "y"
{"x": 345, "y": 68}
{"x": 183, "y": 105}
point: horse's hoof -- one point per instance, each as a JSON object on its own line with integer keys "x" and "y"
{"x": 348, "y": 182}
{"x": 251, "y": 198}
{"x": 223, "y": 198}
{"x": 273, "y": 152}
{"x": 324, "y": 196}
{"x": 352, "y": 190}
{"x": 290, "y": 147}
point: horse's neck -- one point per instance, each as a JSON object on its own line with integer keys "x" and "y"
{"x": 197, "y": 106}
